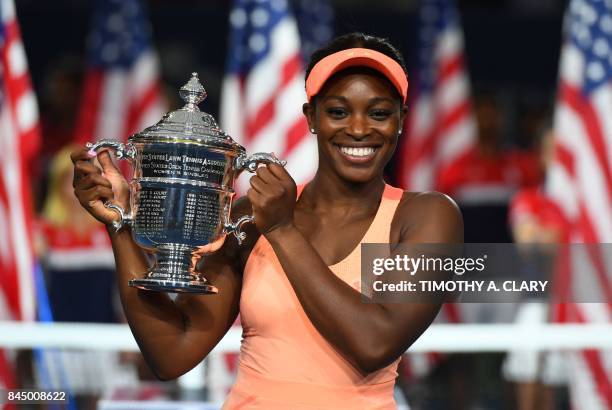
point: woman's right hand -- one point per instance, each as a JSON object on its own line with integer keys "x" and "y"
{"x": 93, "y": 186}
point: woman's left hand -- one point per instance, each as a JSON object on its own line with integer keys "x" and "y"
{"x": 272, "y": 195}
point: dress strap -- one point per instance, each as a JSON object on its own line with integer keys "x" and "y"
{"x": 380, "y": 229}
{"x": 300, "y": 189}
{"x": 392, "y": 193}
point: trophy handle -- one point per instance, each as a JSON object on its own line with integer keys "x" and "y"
{"x": 249, "y": 163}
{"x": 124, "y": 218}
{"x": 236, "y": 227}
{"x": 122, "y": 151}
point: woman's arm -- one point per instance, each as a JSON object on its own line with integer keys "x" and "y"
{"x": 173, "y": 336}
{"x": 369, "y": 335}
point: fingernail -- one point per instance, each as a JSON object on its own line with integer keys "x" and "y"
{"x": 91, "y": 153}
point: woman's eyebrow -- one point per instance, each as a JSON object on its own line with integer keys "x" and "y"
{"x": 335, "y": 97}
{"x": 371, "y": 101}
{"x": 381, "y": 99}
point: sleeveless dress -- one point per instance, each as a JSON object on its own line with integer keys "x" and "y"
{"x": 285, "y": 363}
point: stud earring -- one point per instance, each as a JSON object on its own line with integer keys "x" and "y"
{"x": 312, "y": 130}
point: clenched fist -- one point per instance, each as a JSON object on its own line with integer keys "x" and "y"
{"x": 94, "y": 186}
{"x": 272, "y": 195}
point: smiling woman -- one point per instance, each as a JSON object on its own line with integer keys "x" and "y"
{"x": 308, "y": 337}
{"x": 357, "y": 84}
{"x": 309, "y": 342}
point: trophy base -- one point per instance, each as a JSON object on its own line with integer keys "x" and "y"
{"x": 160, "y": 285}
{"x": 174, "y": 271}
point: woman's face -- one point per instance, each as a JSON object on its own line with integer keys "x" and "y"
{"x": 357, "y": 120}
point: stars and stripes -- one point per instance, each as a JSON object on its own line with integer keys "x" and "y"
{"x": 263, "y": 90}
{"x": 440, "y": 126}
{"x": 19, "y": 140}
{"x": 122, "y": 92}
{"x": 580, "y": 179}
{"x": 315, "y": 20}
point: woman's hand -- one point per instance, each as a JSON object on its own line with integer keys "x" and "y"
{"x": 94, "y": 186}
{"x": 272, "y": 195}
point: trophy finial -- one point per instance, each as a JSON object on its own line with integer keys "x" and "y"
{"x": 193, "y": 93}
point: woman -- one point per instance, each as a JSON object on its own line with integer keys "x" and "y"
{"x": 75, "y": 252}
{"x": 309, "y": 341}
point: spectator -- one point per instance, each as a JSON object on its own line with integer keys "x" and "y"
{"x": 485, "y": 178}
{"x": 536, "y": 220}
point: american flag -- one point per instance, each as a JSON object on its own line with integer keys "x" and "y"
{"x": 19, "y": 140}
{"x": 315, "y": 22}
{"x": 580, "y": 178}
{"x": 263, "y": 89}
{"x": 122, "y": 92}
{"x": 440, "y": 126}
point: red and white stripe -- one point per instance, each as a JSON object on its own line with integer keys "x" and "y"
{"x": 119, "y": 102}
{"x": 580, "y": 181}
{"x": 440, "y": 126}
{"x": 581, "y": 176}
{"x": 263, "y": 111}
{"x": 19, "y": 140}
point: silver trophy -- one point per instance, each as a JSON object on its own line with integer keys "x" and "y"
{"x": 181, "y": 192}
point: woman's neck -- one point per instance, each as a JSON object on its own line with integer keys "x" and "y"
{"x": 330, "y": 190}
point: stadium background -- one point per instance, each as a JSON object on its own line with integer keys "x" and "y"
{"x": 512, "y": 51}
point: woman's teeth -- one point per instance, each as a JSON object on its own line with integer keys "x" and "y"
{"x": 358, "y": 152}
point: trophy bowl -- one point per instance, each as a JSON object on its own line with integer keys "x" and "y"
{"x": 181, "y": 192}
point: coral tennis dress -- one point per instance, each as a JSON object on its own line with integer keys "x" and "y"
{"x": 285, "y": 363}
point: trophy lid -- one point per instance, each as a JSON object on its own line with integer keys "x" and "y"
{"x": 188, "y": 124}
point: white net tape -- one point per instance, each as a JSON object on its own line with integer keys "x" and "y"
{"x": 439, "y": 338}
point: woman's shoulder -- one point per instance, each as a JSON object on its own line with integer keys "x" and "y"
{"x": 427, "y": 215}
{"x": 426, "y": 199}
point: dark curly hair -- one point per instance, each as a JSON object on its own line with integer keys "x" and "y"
{"x": 353, "y": 40}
